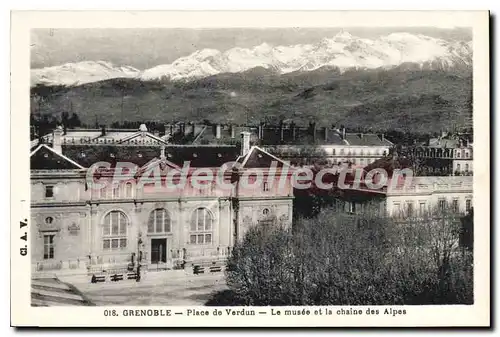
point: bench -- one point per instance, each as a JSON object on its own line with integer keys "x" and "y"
{"x": 132, "y": 276}
{"x": 98, "y": 278}
{"x": 215, "y": 269}
{"x": 117, "y": 277}
{"x": 198, "y": 270}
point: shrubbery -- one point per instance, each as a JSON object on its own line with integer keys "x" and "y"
{"x": 364, "y": 259}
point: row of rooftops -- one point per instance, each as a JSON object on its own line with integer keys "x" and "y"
{"x": 203, "y": 134}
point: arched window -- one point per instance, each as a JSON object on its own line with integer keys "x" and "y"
{"x": 159, "y": 221}
{"x": 201, "y": 227}
{"x": 458, "y": 167}
{"x": 114, "y": 231}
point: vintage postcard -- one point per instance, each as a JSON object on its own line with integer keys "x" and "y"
{"x": 250, "y": 169}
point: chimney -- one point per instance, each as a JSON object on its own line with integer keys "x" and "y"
{"x": 312, "y": 128}
{"x": 382, "y": 136}
{"x": 57, "y": 141}
{"x": 325, "y": 130}
{"x": 261, "y": 131}
{"x": 162, "y": 153}
{"x": 281, "y": 131}
{"x": 231, "y": 127}
{"x": 292, "y": 127}
{"x": 103, "y": 131}
{"x": 361, "y": 135}
{"x": 343, "y": 132}
{"x": 245, "y": 143}
{"x": 216, "y": 128}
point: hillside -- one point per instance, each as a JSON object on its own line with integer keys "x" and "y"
{"x": 378, "y": 99}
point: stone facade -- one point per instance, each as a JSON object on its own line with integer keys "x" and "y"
{"x": 78, "y": 226}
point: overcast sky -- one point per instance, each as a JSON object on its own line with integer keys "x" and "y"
{"x": 146, "y": 48}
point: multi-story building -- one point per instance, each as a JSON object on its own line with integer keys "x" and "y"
{"x": 445, "y": 155}
{"x": 408, "y": 195}
{"x": 86, "y": 217}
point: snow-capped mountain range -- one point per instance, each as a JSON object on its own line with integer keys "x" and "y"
{"x": 342, "y": 51}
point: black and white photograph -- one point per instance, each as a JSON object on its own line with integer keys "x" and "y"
{"x": 256, "y": 173}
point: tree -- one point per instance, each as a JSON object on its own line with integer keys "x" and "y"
{"x": 74, "y": 121}
{"x": 361, "y": 259}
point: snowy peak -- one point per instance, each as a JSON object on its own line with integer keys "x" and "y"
{"x": 341, "y": 51}
{"x": 80, "y": 73}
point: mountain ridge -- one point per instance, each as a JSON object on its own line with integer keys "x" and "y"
{"x": 378, "y": 99}
{"x": 342, "y": 51}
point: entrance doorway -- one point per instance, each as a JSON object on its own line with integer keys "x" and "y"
{"x": 158, "y": 250}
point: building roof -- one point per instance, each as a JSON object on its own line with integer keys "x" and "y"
{"x": 87, "y": 155}
{"x": 259, "y": 158}
{"x": 321, "y": 136}
{"x": 366, "y": 139}
{"x": 93, "y": 136}
{"x": 202, "y": 155}
{"x": 389, "y": 164}
{"x": 228, "y": 135}
{"x": 45, "y": 158}
{"x": 198, "y": 156}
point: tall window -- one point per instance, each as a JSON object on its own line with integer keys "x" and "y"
{"x": 458, "y": 167}
{"x": 104, "y": 192}
{"x": 128, "y": 190}
{"x": 159, "y": 221}
{"x": 115, "y": 231}
{"x": 455, "y": 205}
{"x": 442, "y": 204}
{"x": 49, "y": 191}
{"x": 201, "y": 227}
{"x": 468, "y": 205}
{"x": 409, "y": 208}
{"x": 48, "y": 247}
{"x": 466, "y": 167}
{"x": 265, "y": 187}
{"x": 422, "y": 208}
{"x": 116, "y": 192}
{"x": 396, "y": 209}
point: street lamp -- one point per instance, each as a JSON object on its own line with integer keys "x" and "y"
{"x": 139, "y": 258}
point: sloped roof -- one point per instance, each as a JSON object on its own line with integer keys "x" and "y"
{"x": 198, "y": 156}
{"x": 443, "y": 142}
{"x": 202, "y": 155}
{"x": 389, "y": 164}
{"x": 366, "y": 139}
{"x": 87, "y": 155}
{"x": 45, "y": 158}
{"x": 259, "y": 158}
{"x": 207, "y": 135}
{"x": 142, "y": 136}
